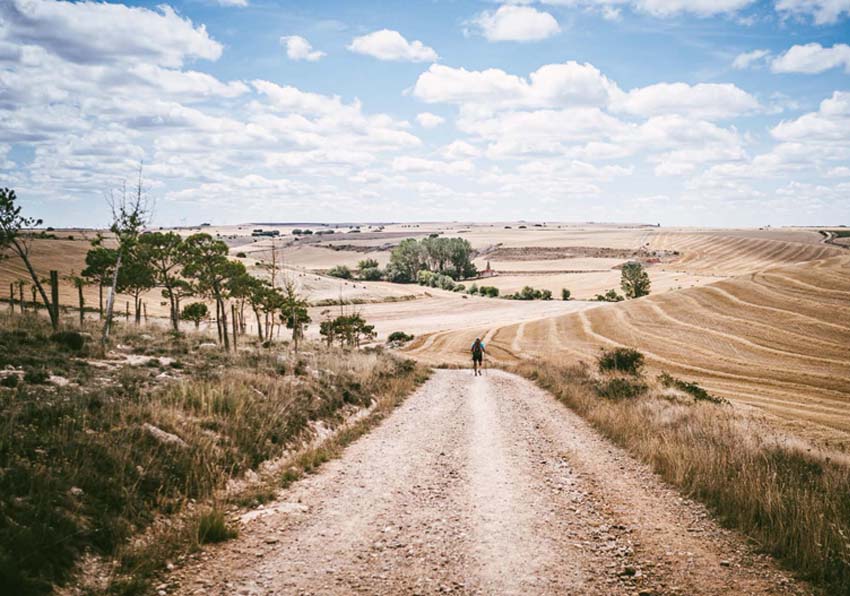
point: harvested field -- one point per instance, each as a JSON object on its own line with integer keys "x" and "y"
{"x": 737, "y": 254}
{"x": 775, "y": 340}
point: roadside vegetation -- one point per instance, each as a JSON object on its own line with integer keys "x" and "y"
{"x": 789, "y": 497}
{"x": 99, "y": 445}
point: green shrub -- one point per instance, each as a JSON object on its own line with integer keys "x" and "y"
{"x": 694, "y": 390}
{"x": 609, "y": 296}
{"x": 620, "y": 388}
{"x": 36, "y": 376}
{"x": 621, "y": 360}
{"x": 565, "y": 294}
{"x": 473, "y": 289}
{"x": 371, "y": 274}
{"x": 71, "y": 340}
{"x": 399, "y": 337}
{"x": 241, "y": 255}
{"x": 10, "y": 382}
{"x": 341, "y": 271}
{"x": 489, "y": 291}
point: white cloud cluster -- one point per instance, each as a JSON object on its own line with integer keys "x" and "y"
{"x": 511, "y": 22}
{"x": 392, "y": 46}
{"x": 659, "y": 8}
{"x": 298, "y": 48}
{"x": 94, "y": 32}
{"x": 813, "y": 58}
{"x": 822, "y": 12}
{"x": 429, "y": 120}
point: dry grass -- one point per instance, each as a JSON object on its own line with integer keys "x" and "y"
{"x": 83, "y": 472}
{"x": 789, "y": 498}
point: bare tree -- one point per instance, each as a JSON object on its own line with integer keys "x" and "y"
{"x": 131, "y": 211}
{"x": 12, "y": 226}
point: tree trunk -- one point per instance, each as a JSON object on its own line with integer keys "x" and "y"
{"x": 234, "y": 321}
{"x": 110, "y": 301}
{"x": 259, "y": 324}
{"x": 54, "y": 318}
{"x": 12, "y": 297}
{"x": 173, "y": 301}
{"x": 82, "y": 304}
{"x": 127, "y": 311}
{"x": 22, "y": 304}
{"x": 224, "y": 325}
{"x": 100, "y": 300}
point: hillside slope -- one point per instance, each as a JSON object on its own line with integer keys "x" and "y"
{"x": 775, "y": 339}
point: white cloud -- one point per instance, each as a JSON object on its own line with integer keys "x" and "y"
{"x": 660, "y": 8}
{"x": 812, "y": 58}
{"x": 94, "y": 32}
{"x": 516, "y": 23}
{"x": 822, "y": 12}
{"x": 418, "y": 164}
{"x": 392, "y": 46}
{"x": 839, "y": 172}
{"x": 237, "y": 3}
{"x": 429, "y": 120}
{"x": 749, "y": 59}
{"x": 298, "y": 48}
{"x": 704, "y": 100}
{"x": 549, "y": 86}
{"x": 460, "y": 149}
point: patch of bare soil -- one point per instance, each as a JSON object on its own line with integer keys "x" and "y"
{"x": 482, "y": 485}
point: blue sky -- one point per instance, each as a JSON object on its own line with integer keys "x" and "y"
{"x": 701, "y": 112}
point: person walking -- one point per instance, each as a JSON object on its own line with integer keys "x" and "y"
{"x": 477, "y": 355}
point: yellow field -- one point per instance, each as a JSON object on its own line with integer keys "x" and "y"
{"x": 776, "y": 339}
{"x": 759, "y": 316}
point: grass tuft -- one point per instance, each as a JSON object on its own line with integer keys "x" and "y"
{"x": 790, "y": 498}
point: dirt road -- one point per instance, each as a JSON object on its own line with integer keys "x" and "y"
{"x": 482, "y": 485}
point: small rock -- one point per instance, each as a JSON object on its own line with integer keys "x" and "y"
{"x": 163, "y": 436}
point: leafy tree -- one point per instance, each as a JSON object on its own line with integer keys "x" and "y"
{"x": 130, "y": 213}
{"x": 12, "y": 225}
{"x": 205, "y": 260}
{"x": 634, "y": 280}
{"x": 293, "y": 311}
{"x": 349, "y": 330}
{"x": 367, "y": 264}
{"x": 406, "y": 260}
{"x": 565, "y": 294}
{"x": 181, "y": 289}
{"x": 341, "y": 271}
{"x": 136, "y": 277}
{"x": 100, "y": 265}
{"x": 162, "y": 253}
{"x": 195, "y": 312}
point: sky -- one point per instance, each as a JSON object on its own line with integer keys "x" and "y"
{"x": 680, "y": 112}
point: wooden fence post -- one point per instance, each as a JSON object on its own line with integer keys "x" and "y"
{"x": 54, "y": 295}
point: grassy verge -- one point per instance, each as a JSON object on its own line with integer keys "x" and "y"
{"x": 96, "y": 449}
{"x": 792, "y": 500}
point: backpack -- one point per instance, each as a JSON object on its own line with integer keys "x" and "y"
{"x": 477, "y": 349}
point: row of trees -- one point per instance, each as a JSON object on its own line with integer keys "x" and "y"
{"x": 197, "y": 266}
